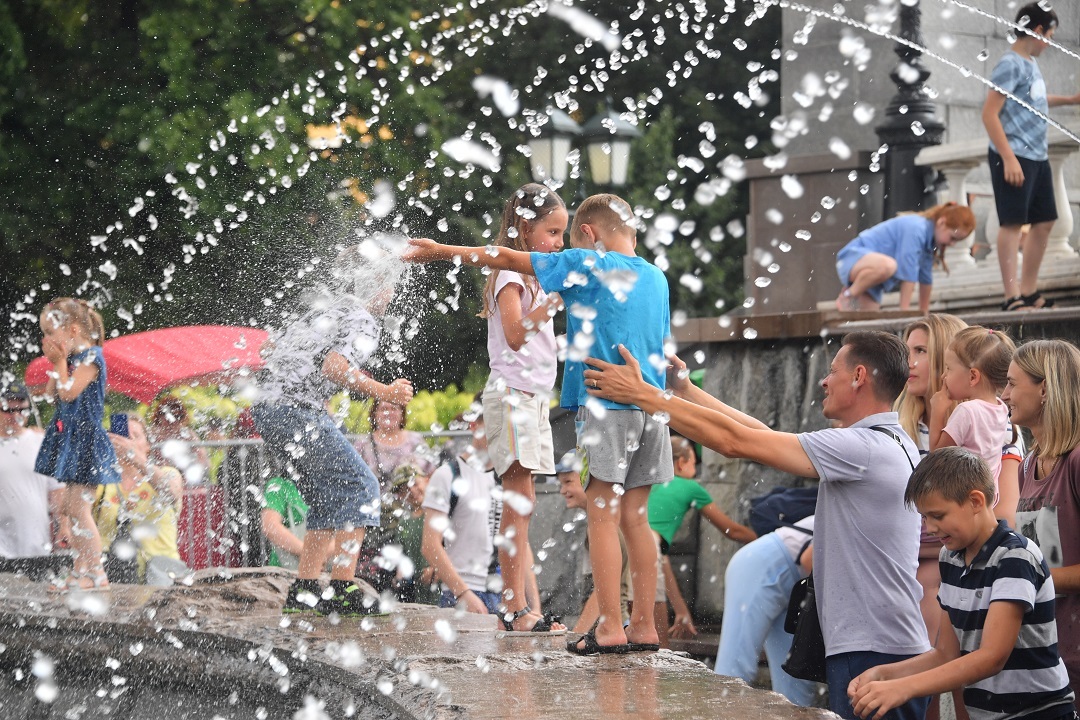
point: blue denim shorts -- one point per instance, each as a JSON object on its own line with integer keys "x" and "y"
{"x": 333, "y": 479}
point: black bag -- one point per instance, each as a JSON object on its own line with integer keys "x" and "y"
{"x": 781, "y": 507}
{"x": 806, "y": 660}
{"x": 124, "y": 570}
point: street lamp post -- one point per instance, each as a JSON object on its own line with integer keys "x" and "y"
{"x": 606, "y": 138}
{"x": 911, "y": 122}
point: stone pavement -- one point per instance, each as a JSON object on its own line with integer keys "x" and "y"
{"x": 221, "y": 648}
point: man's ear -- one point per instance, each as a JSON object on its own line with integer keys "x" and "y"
{"x": 860, "y": 375}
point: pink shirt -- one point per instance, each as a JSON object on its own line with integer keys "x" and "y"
{"x": 532, "y": 368}
{"x": 979, "y": 426}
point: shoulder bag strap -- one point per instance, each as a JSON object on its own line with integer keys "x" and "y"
{"x": 895, "y": 437}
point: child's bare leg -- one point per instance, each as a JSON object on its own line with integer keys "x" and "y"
{"x": 1034, "y": 248}
{"x": 532, "y": 588}
{"x": 603, "y": 514}
{"x": 1008, "y": 246}
{"x": 641, "y": 549}
{"x": 514, "y": 553}
{"x": 345, "y": 546}
{"x": 318, "y": 544}
{"x": 85, "y": 538}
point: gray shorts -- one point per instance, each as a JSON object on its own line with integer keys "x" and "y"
{"x": 625, "y": 447}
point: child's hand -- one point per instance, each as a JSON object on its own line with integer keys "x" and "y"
{"x": 472, "y": 603}
{"x": 678, "y": 377}
{"x": 399, "y": 392}
{"x": 683, "y": 627}
{"x": 422, "y": 250}
{"x": 55, "y": 350}
{"x": 1014, "y": 173}
{"x": 875, "y": 698}
{"x": 940, "y": 401}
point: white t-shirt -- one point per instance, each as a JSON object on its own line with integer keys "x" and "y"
{"x": 469, "y": 536}
{"x": 532, "y": 368}
{"x": 25, "y": 530}
{"x": 795, "y": 540}
{"x": 293, "y": 371}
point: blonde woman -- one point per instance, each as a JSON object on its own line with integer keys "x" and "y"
{"x": 927, "y": 339}
{"x": 1043, "y": 395}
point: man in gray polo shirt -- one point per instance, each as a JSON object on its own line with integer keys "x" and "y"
{"x": 865, "y": 539}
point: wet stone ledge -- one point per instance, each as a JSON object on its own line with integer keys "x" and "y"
{"x": 221, "y": 649}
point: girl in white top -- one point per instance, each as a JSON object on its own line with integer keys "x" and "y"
{"x": 976, "y": 368}
{"x": 523, "y": 360}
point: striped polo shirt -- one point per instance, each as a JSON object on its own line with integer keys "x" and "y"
{"x": 1033, "y": 683}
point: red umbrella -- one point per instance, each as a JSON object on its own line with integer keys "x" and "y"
{"x": 143, "y": 364}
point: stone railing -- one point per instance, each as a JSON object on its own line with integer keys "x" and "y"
{"x": 975, "y": 279}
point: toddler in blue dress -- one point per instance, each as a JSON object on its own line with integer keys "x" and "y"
{"x": 76, "y": 449}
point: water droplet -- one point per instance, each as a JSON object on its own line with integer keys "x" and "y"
{"x": 791, "y": 186}
{"x": 749, "y": 333}
{"x": 763, "y": 282}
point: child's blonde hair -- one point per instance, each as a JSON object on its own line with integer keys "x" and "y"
{"x": 66, "y": 311}
{"x": 610, "y": 212}
{"x": 988, "y": 351}
{"x": 529, "y": 204}
{"x": 940, "y": 329}
{"x": 957, "y": 218}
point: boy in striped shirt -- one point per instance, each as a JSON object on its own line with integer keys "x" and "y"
{"x": 998, "y": 596}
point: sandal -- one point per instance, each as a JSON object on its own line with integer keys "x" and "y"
{"x": 1033, "y": 301}
{"x": 1014, "y": 303}
{"x": 74, "y": 582}
{"x": 642, "y": 647}
{"x": 543, "y": 625}
{"x": 591, "y": 647}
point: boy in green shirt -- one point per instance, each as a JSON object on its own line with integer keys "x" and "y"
{"x": 284, "y": 517}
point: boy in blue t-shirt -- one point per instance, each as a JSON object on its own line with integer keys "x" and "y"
{"x": 1018, "y": 155}
{"x": 996, "y": 593}
{"x": 614, "y": 298}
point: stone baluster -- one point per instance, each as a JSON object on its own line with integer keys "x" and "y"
{"x": 1058, "y": 245}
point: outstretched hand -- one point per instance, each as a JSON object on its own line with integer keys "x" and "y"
{"x": 678, "y": 377}
{"x": 618, "y": 383}
{"x": 421, "y": 250}
{"x": 399, "y": 392}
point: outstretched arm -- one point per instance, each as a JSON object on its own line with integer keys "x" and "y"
{"x": 423, "y": 250}
{"x": 678, "y": 381}
{"x": 433, "y": 551}
{"x": 683, "y": 625}
{"x": 723, "y": 523}
{"x": 713, "y": 428}
{"x": 338, "y": 371}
